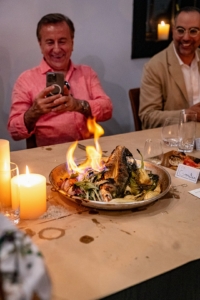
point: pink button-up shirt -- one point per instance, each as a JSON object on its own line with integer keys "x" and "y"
{"x": 55, "y": 128}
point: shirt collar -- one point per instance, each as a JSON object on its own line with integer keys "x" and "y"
{"x": 44, "y": 67}
{"x": 180, "y": 60}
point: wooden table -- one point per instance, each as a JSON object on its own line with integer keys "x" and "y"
{"x": 124, "y": 248}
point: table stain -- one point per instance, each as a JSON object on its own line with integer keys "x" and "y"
{"x": 51, "y": 233}
{"x": 48, "y": 148}
{"x": 125, "y": 232}
{"x": 29, "y": 232}
{"x": 86, "y": 239}
{"x": 98, "y": 223}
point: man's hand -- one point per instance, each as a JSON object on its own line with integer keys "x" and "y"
{"x": 66, "y": 103}
{"x": 195, "y": 108}
{"x": 41, "y": 105}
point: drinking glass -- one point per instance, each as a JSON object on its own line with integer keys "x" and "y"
{"x": 9, "y": 193}
{"x": 187, "y": 131}
{"x": 153, "y": 151}
{"x": 169, "y": 132}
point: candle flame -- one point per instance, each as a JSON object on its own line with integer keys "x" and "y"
{"x": 28, "y": 179}
{"x": 162, "y": 23}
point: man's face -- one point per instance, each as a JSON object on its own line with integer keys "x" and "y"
{"x": 56, "y": 45}
{"x": 186, "y": 45}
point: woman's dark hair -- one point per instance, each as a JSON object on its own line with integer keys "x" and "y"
{"x": 53, "y": 19}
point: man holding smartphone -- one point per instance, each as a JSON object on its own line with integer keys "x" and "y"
{"x": 56, "y": 117}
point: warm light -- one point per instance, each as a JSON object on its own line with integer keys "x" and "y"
{"x": 163, "y": 31}
{"x": 4, "y": 155}
{"x": 95, "y": 129}
{"x": 94, "y": 154}
{"x": 32, "y": 194}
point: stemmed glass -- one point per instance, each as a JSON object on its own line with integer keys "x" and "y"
{"x": 153, "y": 151}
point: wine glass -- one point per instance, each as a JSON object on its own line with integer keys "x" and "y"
{"x": 170, "y": 132}
{"x": 153, "y": 151}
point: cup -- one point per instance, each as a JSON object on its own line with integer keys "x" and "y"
{"x": 169, "y": 132}
{"x": 9, "y": 193}
{"x": 153, "y": 151}
{"x": 187, "y": 131}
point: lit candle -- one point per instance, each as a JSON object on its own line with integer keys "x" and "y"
{"x": 32, "y": 193}
{"x": 5, "y": 196}
{"x": 4, "y": 154}
{"x": 163, "y": 31}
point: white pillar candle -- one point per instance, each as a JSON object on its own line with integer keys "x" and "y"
{"x": 4, "y": 154}
{"x": 163, "y": 31}
{"x": 32, "y": 193}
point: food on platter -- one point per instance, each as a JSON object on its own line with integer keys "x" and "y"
{"x": 120, "y": 180}
{"x": 173, "y": 158}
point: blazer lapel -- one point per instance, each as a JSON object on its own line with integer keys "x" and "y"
{"x": 175, "y": 71}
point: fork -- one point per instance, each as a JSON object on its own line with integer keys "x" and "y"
{"x": 83, "y": 147}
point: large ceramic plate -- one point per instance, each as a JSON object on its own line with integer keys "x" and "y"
{"x": 60, "y": 171}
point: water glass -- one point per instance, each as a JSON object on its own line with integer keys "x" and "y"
{"x": 187, "y": 131}
{"x": 169, "y": 132}
{"x": 9, "y": 194}
{"x": 153, "y": 151}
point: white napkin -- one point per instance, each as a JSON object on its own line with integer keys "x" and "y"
{"x": 22, "y": 267}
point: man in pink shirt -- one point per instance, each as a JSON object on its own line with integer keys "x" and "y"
{"x": 58, "y": 118}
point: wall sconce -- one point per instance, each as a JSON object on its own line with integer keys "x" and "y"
{"x": 163, "y": 31}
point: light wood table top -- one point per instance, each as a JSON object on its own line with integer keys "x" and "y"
{"x": 126, "y": 247}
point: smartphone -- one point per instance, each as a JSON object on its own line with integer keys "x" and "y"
{"x": 56, "y": 79}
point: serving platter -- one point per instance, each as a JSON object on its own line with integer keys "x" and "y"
{"x": 59, "y": 173}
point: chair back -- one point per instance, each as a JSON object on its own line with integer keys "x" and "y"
{"x": 134, "y": 95}
{"x": 31, "y": 142}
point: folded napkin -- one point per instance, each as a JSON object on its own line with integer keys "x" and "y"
{"x": 23, "y": 274}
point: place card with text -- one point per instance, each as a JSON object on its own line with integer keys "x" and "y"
{"x": 187, "y": 173}
{"x": 195, "y": 192}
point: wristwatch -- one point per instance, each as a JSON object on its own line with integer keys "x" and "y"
{"x": 85, "y": 108}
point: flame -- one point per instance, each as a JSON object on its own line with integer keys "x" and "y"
{"x": 94, "y": 154}
{"x": 28, "y": 179}
{"x": 162, "y": 23}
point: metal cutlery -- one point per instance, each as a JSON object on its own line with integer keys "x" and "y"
{"x": 83, "y": 147}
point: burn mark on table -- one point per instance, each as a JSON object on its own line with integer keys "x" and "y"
{"x": 48, "y": 148}
{"x": 86, "y": 239}
{"x": 51, "y": 234}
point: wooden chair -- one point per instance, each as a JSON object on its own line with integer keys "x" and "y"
{"x": 31, "y": 142}
{"x": 134, "y": 95}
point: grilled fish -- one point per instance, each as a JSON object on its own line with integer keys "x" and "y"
{"x": 119, "y": 166}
